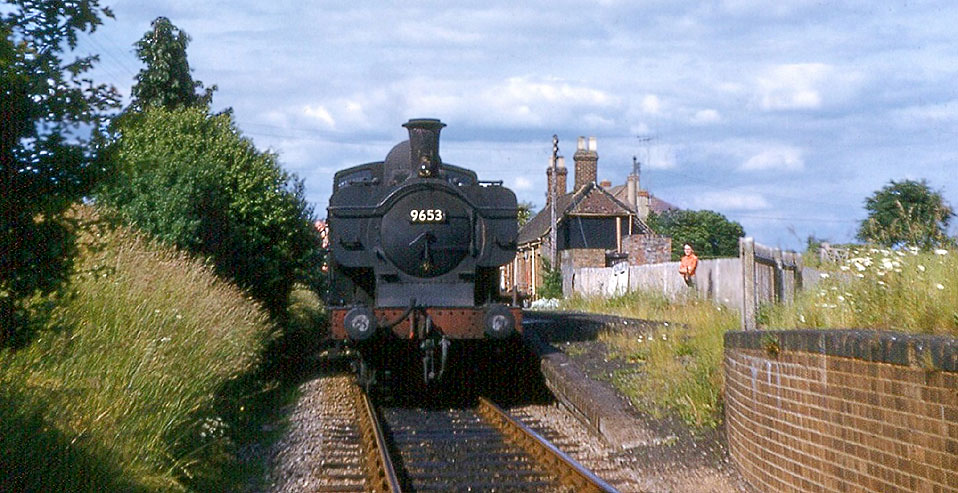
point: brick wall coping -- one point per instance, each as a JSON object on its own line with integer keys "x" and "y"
{"x": 927, "y": 351}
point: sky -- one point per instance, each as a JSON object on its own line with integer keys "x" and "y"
{"x": 783, "y": 116}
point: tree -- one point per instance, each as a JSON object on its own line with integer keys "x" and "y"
{"x": 524, "y": 212}
{"x": 165, "y": 81}
{"x": 49, "y": 112}
{"x": 906, "y": 213}
{"x": 192, "y": 180}
{"x": 711, "y": 234}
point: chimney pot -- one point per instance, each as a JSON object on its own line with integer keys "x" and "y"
{"x": 592, "y": 144}
{"x": 581, "y": 144}
{"x": 606, "y": 184}
{"x": 561, "y": 162}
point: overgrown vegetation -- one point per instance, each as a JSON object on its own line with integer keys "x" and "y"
{"x": 551, "y": 281}
{"x": 139, "y": 382}
{"x": 903, "y": 290}
{"x": 48, "y": 114}
{"x": 681, "y": 361}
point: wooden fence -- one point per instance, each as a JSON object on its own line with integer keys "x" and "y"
{"x": 769, "y": 275}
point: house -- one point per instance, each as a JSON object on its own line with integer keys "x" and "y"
{"x": 594, "y": 227}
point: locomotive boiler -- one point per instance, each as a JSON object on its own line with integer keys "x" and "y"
{"x": 416, "y": 245}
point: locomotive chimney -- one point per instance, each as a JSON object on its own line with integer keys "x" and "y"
{"x": 424, "y": 145}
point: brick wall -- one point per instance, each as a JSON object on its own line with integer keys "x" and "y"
{"x": 583, "y": 257}
{"x": 826, "y": 411}
{"x": 647, "y": 249}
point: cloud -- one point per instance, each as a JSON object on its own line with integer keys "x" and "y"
{"x": 782, "y": 158}
{"x": 805, "y": 86}
{"x": 321, "y": 114}
{"x": 522, "y": 183}
{"x": 731, "y": 201}
{"x": 704, "y": 117}
{"x": 509, "y": 102}
{"x": 794, "y": 86}
{"x": 944, "y": 112}
{"x": 651, "y": 104}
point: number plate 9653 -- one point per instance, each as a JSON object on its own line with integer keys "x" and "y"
{"x": 427, "y": 216}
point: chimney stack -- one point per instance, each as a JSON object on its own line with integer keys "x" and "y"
{"x": 561, "y": 173}
{"x": 424, "y": 145}
{"x": 586, "y": 161}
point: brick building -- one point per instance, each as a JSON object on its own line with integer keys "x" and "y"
{"x": 594, "y": 227}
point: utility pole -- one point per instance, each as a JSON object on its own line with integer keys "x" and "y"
{"x": 552, "y": 198}
{"x": 645, "y": 140}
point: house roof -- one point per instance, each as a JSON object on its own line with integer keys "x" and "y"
{"x": 590, "y": 200}
{"x": 656, "y": 204}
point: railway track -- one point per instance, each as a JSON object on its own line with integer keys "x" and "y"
{"x": 478, "y": 449}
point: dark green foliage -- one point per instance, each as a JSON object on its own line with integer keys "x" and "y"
{"x": 193, "y": 181}
{"x": 906, "y": 213}
{"x": 166, "y": 81}
{"x": 525, "y": 212}
{"x": 47, "y": 110}
{"x": 551, "y": 281}
{"x": 711, "y": 234}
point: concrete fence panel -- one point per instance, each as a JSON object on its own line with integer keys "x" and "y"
{"x": 716, "y": 279}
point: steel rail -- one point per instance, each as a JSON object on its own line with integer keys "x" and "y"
{"x": 380, "y": 469}
{"x": 571, "y": 473}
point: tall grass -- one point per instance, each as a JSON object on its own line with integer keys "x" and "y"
{"x": 120, "y": 391}
{"x": 902, "y": 290}
{"x": 681, "y": 361}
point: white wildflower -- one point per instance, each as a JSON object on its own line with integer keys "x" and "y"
{"x": 824, "y": 275}
{"x": 880, "y": 272}
{"x": 921, "y": 268}
{"x": 801, "y": 318}
{"x": 861, "y": 276}
{"x": 939, "y": 286}
{"x": 941, "y": 251}
{"x": 844, "y": 267}
{"x": 841, "y": 298}
{"x": 665, "y": 337}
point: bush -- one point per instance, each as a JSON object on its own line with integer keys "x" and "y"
{"x": 193, "y": 181}
{"x": 551, "y": 281}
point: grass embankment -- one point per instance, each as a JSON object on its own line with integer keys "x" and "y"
{"x": 898, "y": 290}
{"x": 681, "y": 370}
{"x": 141, "y": 379}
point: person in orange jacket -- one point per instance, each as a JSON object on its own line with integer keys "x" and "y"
{"x": 688, "y": 264}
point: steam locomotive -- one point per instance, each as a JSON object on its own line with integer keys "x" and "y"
{"x": 416, "y": 245}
